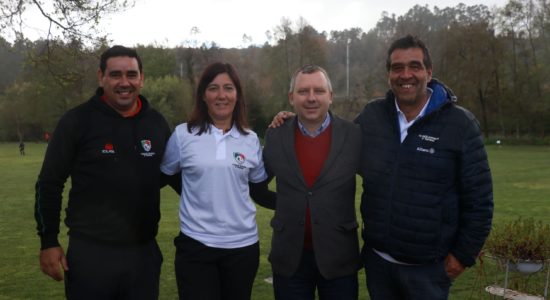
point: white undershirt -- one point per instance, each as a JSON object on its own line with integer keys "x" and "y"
{"x": 215, "y": 207}
{"x": 403, "y": 123}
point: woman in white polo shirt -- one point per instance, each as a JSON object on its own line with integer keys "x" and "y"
{"x": 220, "y": 159}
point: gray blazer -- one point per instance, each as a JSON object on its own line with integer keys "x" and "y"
{"x": 331, "y": 200}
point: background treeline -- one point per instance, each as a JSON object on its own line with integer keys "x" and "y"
{"x": 494, "y": 59}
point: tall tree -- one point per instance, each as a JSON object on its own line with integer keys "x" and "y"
{"x": 157, "y": 61}
{"x": 171, "y": 96}
{"x": 11, "y": 58}
{"x": 65, "y": 18}
{"x": 36, "y": 100}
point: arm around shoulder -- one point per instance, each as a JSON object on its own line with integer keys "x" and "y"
{"x": 261, "y": 194}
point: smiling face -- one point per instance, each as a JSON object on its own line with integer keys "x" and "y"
{"x": 311, "y": 99}
{"x": 121, "y": 83}
{"x": 220, "y": 97}
{"x": 408, "y": 77}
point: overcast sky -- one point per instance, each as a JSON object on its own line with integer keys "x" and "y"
{"x": 169, "y": 22}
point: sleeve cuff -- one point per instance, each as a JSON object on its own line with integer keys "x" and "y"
{"x": 465, "y": 260}
{"x": 48, "y": 242}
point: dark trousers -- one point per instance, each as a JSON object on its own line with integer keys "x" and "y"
{"x": 304, "y": 282}
{"x": 206, "y": 273}
{"x": 389, "y": 281}
{"x": 104, "y": 271}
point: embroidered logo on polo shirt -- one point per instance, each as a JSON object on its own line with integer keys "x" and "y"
{"x": 146, "y": 145}
{"x": 239, "y": 159}
{"x": 108, "y": 149}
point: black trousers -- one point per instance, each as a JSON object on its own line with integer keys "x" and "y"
{"x": 104, "y": 271}
{"x": 206, "y": 273}
{"x": 307, "y": 280}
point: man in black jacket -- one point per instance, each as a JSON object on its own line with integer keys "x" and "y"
{"x": 111, "y": 147}
{"x": 427, "y": 198}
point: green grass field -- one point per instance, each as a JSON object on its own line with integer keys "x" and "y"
{"x": 521, "y": 177}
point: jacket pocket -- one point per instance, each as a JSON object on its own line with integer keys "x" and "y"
{"x": 277, "y": 225}
{"x": 348, "y": 226}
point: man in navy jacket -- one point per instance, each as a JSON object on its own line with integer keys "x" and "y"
{"x": 427, "y": 198}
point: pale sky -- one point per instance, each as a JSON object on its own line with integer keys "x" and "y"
{"x": 169, "y": 22}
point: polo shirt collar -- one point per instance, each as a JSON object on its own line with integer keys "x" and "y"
{"x": 233, "y": 132}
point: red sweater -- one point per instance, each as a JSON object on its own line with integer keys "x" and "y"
{"x": 311, "y": 154}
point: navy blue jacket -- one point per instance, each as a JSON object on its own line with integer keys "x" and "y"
{"x": 432, "y": 194}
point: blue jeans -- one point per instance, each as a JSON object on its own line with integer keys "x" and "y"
{"x": 389, "y": 281}
{"x": 307, "y": 278}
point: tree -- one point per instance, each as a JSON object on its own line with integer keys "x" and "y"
{"x": 157, "y": 61}
{"x": 311, "y": 45}
{"x": 283, "y": 35}
{"x": 71, "y": 19}
{"x": 57, "y": 63}
{"x": 11, "y": 58}
{"x": 171, "y": 96}
{"x": 464, "y": 56}
{"x": 12, "y": 107}
{"x": 43, "y": 91}
{"x": 493, "y": 59}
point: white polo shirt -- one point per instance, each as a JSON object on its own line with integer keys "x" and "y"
{"x": 215, "y": 207}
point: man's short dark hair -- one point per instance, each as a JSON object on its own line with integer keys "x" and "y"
{"x": 117, "y": 51}
{"x": 408, "y": 42}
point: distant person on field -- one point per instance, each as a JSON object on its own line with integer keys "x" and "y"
{"x": 111, "y": 147}
{"x": 21, "y": 148}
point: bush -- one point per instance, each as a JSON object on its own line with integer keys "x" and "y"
{"x": 522, "y": 239}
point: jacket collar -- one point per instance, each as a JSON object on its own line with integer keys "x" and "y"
{"x": 96, "y": 99}
{"x": 441, "y": 95}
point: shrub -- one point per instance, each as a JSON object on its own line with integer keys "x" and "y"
{"x": 522, "y": 239}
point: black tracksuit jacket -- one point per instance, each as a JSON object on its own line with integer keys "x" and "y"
{"x": 113, "y": 163}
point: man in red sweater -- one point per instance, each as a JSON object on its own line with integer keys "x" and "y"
{"x": 314, "y": 157}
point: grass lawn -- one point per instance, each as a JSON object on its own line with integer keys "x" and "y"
{"x": 521, "y": 177}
